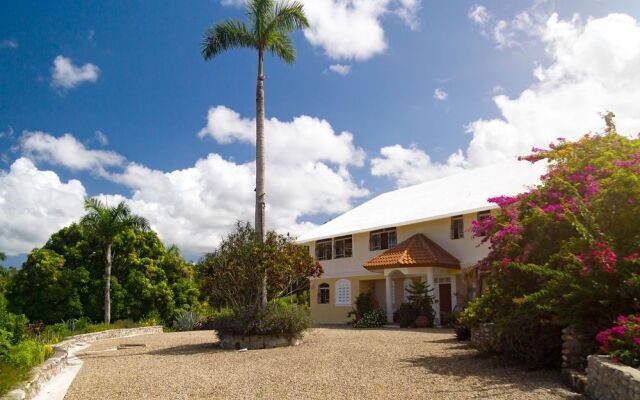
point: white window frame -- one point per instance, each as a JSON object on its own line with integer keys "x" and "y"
{"x": 347, "y": 250}
{"x": 324, "y": 242}
{"x": 457, "y": 232}
{"x": 343, "y": 293}
{"x": 322, "y": 287}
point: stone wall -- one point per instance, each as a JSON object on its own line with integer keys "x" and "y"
{"x": 59, "y": 360}
{"x": 609, "y": 381}
{"x": 483, "y": 338}
{"x": 237, "y": 342}
{"x": 575, "y": 349}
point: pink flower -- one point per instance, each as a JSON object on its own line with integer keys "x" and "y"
{"x": 636, "y": 340}
{"x": 618, "y": 330}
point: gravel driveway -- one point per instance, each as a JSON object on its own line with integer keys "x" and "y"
{"x": 332, "y": 363}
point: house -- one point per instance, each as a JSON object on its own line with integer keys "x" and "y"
{"x": 417, "y": 232}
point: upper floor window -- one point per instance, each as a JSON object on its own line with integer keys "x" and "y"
{"x": 343, "y": 292}
{"x": 382, "y": 239}
{"x": 483, "y": 215}
{"x": 343, "y": 246}
{"x": 323, "y": 293}
{"x": 324, "y": 249}
{"x": 457, "y": 227}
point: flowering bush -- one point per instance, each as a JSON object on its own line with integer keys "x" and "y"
{"x": 565, "y": 252}
{"x": 622, "y": 341}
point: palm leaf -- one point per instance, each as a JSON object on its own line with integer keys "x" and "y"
{"x": 226, "y": 35}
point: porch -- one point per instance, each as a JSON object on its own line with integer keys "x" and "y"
{"x": 417, "y": 258}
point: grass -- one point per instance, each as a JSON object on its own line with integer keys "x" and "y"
{"x": 13, "y": 373}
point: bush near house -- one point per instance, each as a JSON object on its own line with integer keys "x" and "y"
{"x": 565, "y": 252}
{"x": 231, "y": 278}
{"x": 622, "y": 341}
{"x": 365, "y": 313}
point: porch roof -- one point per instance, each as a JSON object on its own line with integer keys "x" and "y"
{"x": 416, "y": 251}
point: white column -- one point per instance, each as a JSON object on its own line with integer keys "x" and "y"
{"x": 407, "y": 285}
{"x": 388, "y": 299}
{"x": 430, "y": 283}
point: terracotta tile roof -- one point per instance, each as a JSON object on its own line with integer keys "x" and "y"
{"x": 416, "y": 251}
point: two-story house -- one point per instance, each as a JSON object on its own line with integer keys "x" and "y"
{"x": 417, "y": 232}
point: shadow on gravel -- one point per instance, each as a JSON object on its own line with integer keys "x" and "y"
{"x": 187, "y": 349}
{"x": 498, "y": 375}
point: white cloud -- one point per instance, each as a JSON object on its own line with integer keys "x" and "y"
{"x": 307, "y": 174}
{"x": 594, "y": 67}
{"x": 34, "y": 204}
{"x": 409, "y": 166}
{"x": 522, "y": 30}
{"x": 101, "y": 137}
{"x": 65, "y": 75}
{"x": 67, "y": 151}
{"x": 479, "y": 15}
{"x": 440, "y": 95}
{"x": 340, "y": 69}
{"x": 9, "y": 44}
{"x": 352, "y": 29}
{"x": 304, "y": 139}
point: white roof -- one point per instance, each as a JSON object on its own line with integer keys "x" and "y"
{"x": 461, "y": 193}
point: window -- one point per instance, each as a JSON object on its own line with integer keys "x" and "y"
{"x": 343, "y": 246}
{"x": 382, "y": 239}
{"x": 343, "y": 292}
{"x": 457, "y": 227}
{"x": 323, "y": 293}
{"x": 323, "y": 249}
{"x": 482, "y": 215}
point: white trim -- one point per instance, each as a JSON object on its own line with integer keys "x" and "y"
{"x": 407, "y": 222}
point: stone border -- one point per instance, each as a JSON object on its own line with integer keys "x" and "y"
{"x": 44, "y": 372}
{"x": 609, "y": 381}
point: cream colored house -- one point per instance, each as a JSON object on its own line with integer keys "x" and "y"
{"x": 418, "y": 232}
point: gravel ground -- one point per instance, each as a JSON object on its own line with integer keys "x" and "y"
{"x": 334, "y": 363}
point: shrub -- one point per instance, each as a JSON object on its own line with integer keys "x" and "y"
{"x": 407, "y": 314}
{"x": 622, "y": 341}
{"x": 275, "y": 319}
{"x": 364, "y": 304}
{"x": 187, "y": 321}
{"x": 564, "y": 252}
{"x": 26, "y": 353}
{"x": 372, "y": 319}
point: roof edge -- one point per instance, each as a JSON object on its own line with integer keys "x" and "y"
{"x": 409, "y": 222}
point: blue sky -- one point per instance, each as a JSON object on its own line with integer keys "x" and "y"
{"x": 133, "y": 71}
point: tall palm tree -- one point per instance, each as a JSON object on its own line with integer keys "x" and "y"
{"x": 106, "y": 223}
{"x": 270, "y": 24}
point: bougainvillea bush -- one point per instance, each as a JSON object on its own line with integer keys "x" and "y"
{"x": 566, "y": 252}
{"x": 622, "y": 341}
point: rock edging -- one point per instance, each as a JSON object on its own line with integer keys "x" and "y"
{"x": 42, "y": 373}
{"x": 237, "y": 342}
{"x": 609, "y": 381}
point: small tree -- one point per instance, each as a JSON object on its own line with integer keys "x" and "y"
{"x": 232, "y": 274}
{"x": 420, "y": 297}
{"x": 106, "y": 223}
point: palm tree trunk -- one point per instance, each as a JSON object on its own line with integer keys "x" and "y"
{"x": 107, "y": 284}
{"x": 260, "y": 194}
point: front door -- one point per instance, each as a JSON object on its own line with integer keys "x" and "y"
{"x": 445, "y": 298}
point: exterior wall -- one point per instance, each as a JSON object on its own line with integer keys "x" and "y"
{"x": 468, "y": 250}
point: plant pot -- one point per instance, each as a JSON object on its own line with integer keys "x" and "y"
{"x": 422, "y": 321}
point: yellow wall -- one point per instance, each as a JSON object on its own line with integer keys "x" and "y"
{"x": 330, "y": 313}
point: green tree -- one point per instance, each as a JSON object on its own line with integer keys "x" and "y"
{"x": 106, "y": 223}
{"x": 419, "y": 295}
{"x": 232, "y": 274}
{"x": 270, "y": 24}
{"x": 146, "y": 278}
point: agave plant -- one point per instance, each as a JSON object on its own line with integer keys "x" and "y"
{"x": 187, "y": 321}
